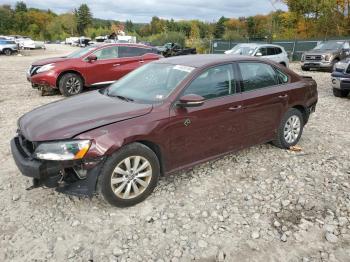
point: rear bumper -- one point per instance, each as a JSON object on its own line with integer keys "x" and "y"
{"x": 57, "y": 174}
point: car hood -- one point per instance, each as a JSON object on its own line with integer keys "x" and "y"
{"x": 67, "y": 118}
{"x": 50, "y": 61}
{"x": 321, "y": 52}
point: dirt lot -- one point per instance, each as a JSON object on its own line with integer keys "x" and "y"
{"x": 262, "y": 204}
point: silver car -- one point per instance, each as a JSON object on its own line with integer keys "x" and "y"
{"x": 8, "y": 47}
{"x": 275, "y": 53}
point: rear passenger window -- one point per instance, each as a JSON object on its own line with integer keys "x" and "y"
{"x": 270, "y": 51}
{"x": 129, "y": 51}
{"x": 278, "y": 50}
{"x": 257, "y": 75}
{"x": 215, "y": 82}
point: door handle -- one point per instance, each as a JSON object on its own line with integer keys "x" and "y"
{"x": 116, "y": 65}
{"x": 141, "y": 62}
{"x": 234, "y": 108}
{"x": 283, "y": 96}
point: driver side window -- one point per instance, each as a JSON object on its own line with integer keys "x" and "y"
{"x": 214, "y": 82}
{"x": 107, "y": 53}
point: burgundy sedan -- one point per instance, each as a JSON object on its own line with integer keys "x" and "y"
{"x": 163, "y": 117}
{"x": 88, "y": 67}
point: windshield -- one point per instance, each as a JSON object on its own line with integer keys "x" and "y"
{"x": 331, "y": 45}
{"x": 243, "y": 50}
{"x": 81, "y": 52}
{"x": 151, "y": 83}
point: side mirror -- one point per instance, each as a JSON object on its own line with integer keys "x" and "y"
{"x": 91, "y": 58}
{"x": 191, "y": 101}
{"x": 258, "y": 54}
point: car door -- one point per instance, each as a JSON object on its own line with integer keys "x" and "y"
{"x": 103, "y": 70}
{"x": 265, "y": 99}
{"x": 214, "y": 128}
{"x": 129, "y": 59}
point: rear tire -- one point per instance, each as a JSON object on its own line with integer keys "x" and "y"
{"x": 340, "y": 93}
{"x": 129, "y": 176}
{"x": 290, "y": 129}
{"x": 8, "y": 52}
{"x": 70, "y": 84}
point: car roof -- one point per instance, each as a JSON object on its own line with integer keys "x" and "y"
{"x": 122, "y": 44}
{"x": 259, "y": 45}
{"x": 204, "y": 60}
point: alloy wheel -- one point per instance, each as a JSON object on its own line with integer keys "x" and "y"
{"x": 292, "y": 129}
{"x": 73, "y": 86}
{"x": 131, "y": 177}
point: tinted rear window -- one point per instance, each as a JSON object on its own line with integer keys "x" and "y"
{"x": 270, "y": 51}
{"x": 278, "y": 50}
{"x": 131, "y": 51}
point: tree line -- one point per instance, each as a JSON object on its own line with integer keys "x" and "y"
{"x": 304, "y": 19}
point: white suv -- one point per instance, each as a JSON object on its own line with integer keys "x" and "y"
{"x": 275, "y": 53}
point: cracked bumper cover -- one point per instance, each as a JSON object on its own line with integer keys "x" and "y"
{"x": 49, "y": 173}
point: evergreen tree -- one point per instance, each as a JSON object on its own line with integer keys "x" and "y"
{"x": 20, "y": 7}
{"x": 220, "y": 27}
{"x": 84, "y": 18}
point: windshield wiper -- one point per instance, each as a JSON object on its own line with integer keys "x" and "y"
{"x": 127, "y": 99}
{"x": 121, "y": 97}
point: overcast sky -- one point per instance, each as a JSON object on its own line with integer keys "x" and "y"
{"x": 143, "y": 10}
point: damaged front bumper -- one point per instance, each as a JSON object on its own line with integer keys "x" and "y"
{"x": 76, "y": 177}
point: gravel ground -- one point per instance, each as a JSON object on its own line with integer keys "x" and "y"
{"x": 261, "y": 204}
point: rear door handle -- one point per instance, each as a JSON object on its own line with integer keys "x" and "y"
{"x": 116, "y": 65}
{"x": 141, "y": 62}
{"x": 234, "y": 108}
{"x": 283, "y": 96}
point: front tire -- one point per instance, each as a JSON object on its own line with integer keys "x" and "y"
{"x": 290, "y": 129}
{"x": 70, "y": 84}
{"x": 8, "y": 52}
{"x": 129, "y": 176}
{"x": 340, "y": 93}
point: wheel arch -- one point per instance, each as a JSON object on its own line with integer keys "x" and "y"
{"x": 157, "y": 150}
{"x": 67, "y": 72}
{"x": 303, "y": 111}
{"x": 283, "y": 63}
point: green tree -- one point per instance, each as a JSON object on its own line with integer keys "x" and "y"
{"x": 6, "y": 19}
{"x": 129, "y": 26}
{"x": 20, "y": 7}
{"x": 220, "y": 27}
{"x": 83, "y": 17}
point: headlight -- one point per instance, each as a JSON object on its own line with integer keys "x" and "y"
{"x": 65, "y": 150}
{"x": 326, "y": 57}
{"x": 45, "y": 68}
{"x": 302, "y": 57}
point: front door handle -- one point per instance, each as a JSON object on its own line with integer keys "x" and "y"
{"x": 116, "y": 65}
{"x": 283, "y": 96}
{"x": 141, "y": 62}
{"x": 235, "y": 108}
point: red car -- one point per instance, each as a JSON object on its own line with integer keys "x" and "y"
{"x": 163, "y": 117}
{"x": 91, "y": 66}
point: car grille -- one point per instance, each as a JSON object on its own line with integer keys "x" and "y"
{"x": 33, "y": 70}
{"x": 27, "y": 146}
{"x": 313, "y": 57}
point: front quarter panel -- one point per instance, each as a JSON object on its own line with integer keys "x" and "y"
{"x": 108, "y": 139}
